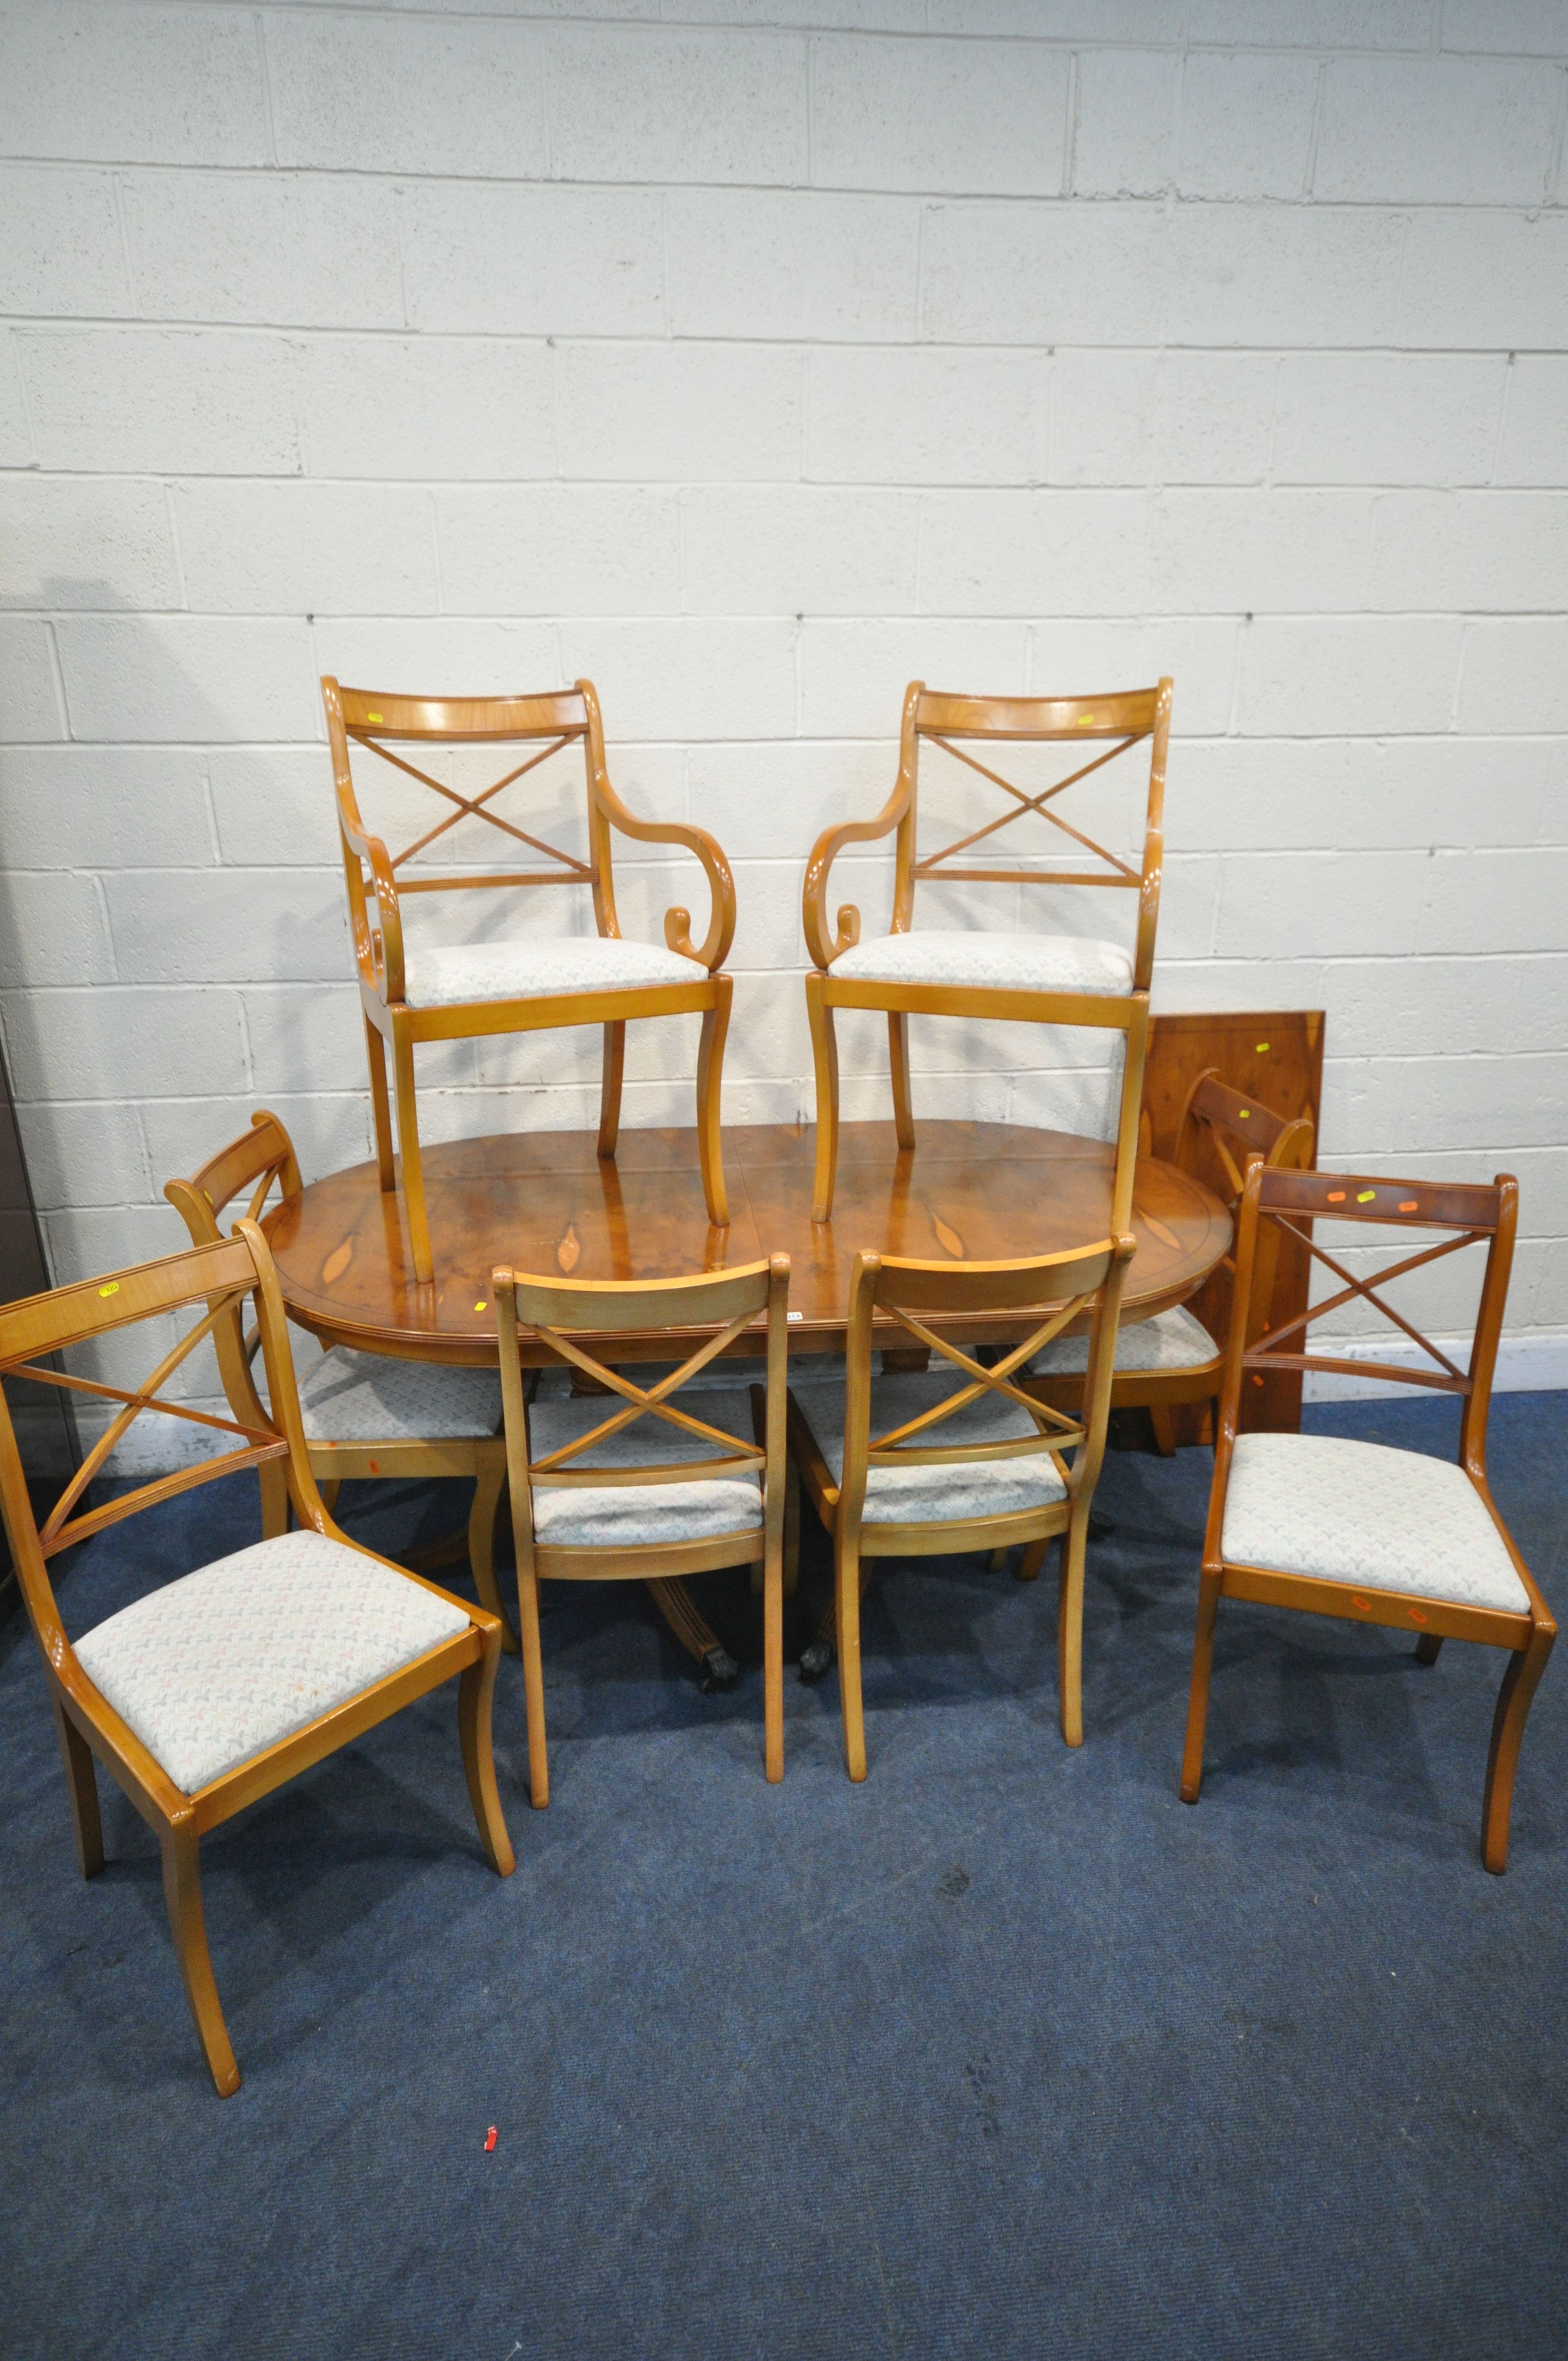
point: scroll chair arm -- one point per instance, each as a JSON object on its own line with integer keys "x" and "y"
{"x": 720, "y": 883}
{"x": 378, "y": 950}
{"x": 824, "y": 947}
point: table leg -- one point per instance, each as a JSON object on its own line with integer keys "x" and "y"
{"x": 701, "y": 1642}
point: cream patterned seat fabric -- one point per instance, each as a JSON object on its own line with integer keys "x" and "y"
{"x": 1359, "y": 1512}
{"x": 581, "y": 1516}
{"x": 897, "y": 1495}
{"x": 1171, "y": 1340}
{"x": 347, "y": 1397}
{"x": 998, "y": 963}
{"x": 435, "y": 976}
{"x": 212, "y": 1668}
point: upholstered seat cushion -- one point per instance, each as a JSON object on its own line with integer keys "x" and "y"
{"x": 583, "y": 1517}
{"x": 435, "y": 976}
{"x": 347, "y": 1397}
{"x": 1359, "y": 1512}
{"x": 1171, "y": 1340}
{"x": 939, "y": 1495}
{"x": 997, "y": 962}
{"x": 212, "y": 1668}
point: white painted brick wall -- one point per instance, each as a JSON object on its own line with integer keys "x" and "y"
{"x": 751, "y": 356}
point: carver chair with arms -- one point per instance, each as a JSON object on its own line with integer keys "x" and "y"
{"x": 594, "y": 1501}
{"x": 1356, "y": 1529}
{"x": 414, "y": 991}
{"x": 996, "y": 1475}
{"x": 1172, "y": 1358}
{"x": 1033, "y": 978}
{"x": 219, "y": 1686}
{"x": 363, "y": 1414}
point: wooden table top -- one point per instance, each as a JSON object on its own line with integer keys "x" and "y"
{"x": 545, "y": 1202}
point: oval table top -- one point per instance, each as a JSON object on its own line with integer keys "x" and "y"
{"x": 545, "y": 1202}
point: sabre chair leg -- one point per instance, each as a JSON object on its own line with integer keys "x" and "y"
{"x": 1030, "y": 1560}
{"x": 898, "y": 1056}
{"x": 1164, "y": 1428}
{"x": 1069, "y": 1627}
{"x": 534, "y": 1686}
{"x": 489, "y": 1476}
{"x": 1428, "y": 1647}
{"x": 380, "y": 1108}
{"x": 846, "y": 1582}
{"x": 82, "y": 1785}
{"x": 475, "y": 1690}
{"x": 1520, "y": 1681}
{"x": 611, "y": 1077}
{"x": 413, "y": 1167}
{"x": 1198, "y": 1699}
{"x": 329, "y": 1486}
{"x": 710, "y": 1087}
{"x": 825, "y": 1058}
{"x": 772, "y": 1662}
{"x": 183, "y": 1894}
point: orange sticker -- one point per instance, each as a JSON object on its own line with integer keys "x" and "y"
{"x": 1414, "y": 1615}
{"x": 1337, "y": 1196}
{"x": 491, "y": 2141}
{"x": 112, "y": 1288}
{"x": 1362, "y": 1604}
{"x": 1410, "y": 1206}
{"x": 1257, "y": 1382}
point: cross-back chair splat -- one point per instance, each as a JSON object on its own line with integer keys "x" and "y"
{"x": 377, "y": 1435}
{"x": 611, "y": 1524}
{"x": 1026, "y": 978}
{"x": 187, "y": 1775}
{"x": 447, "y": 994}
{"x": 999, "y": 1505}
{"x": 1403, "y": 1540}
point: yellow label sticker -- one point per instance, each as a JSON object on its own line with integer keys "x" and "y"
{"x": 1086, "y": 720}
{"x": 1366, "y": 1196}
{"x": 113, "y": 1287}
{"x": 373, "y": 716}
{"x": 479, "y": 1307}
{"x": 1261, "y": 1048}
{"x": 1242, "y": 1113}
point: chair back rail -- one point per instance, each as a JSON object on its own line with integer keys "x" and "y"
{"x": 1232, "y": 1125}
{"x": 260, "y": 1159}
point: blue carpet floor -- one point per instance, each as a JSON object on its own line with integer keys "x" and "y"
{"x": 1006, "y": 2053}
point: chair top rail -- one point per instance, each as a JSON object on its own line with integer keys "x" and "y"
{"x": 93, "y": 1307}
{"x": 606, "y": 1307}
{"x": 1125, "y": 713}
{"x": 990, "y": 1286}
{"x": 1373, "y": 1197}
{"x": 1247, "y": 1120}
{"x": 266, "y": 1146}
{"x": 385, "y": 713}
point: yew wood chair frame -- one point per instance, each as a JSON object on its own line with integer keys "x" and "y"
{"x": 1473, "y": 1215}
{"x": 560, "y": 1313}
{"x": 1063, "y": 1288}
{"x": 259, "y": 1159}
{"x": 1232, "y": 1124}
{"x": 373, "y": 720}
{"x": 1128, "y": 717}
{"x": 224, "y": 1276}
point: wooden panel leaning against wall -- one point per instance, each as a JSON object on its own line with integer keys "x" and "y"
{"x": 1277, "y": 1055}
{"x": 44, "y": 1420}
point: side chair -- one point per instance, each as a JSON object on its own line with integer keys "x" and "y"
{"x": 593, "y": 1502}
{"x": 996, "y": 1475}
{"x": 219, "y": 1686}
{"x": 1035, "y": 978}
{"x": 422, "y": 991}
{"x": 363, "y": 1414}
{"x": 1172, "y": 1358}
{"x": 1360, "y": 1530}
